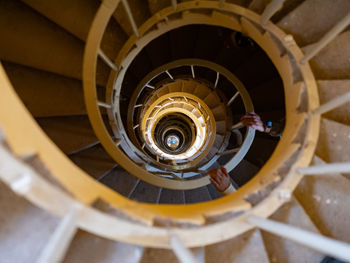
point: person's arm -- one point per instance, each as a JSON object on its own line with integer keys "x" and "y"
{"x": 253, "y": 120}
{"x": 221, "y": 181}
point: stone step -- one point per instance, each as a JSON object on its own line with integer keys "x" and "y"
{"x": 95, "y": 161}
{"x": 243, "y": 172}
{"x": 40, "y": 43}
{"x": 245, "y": 248}
{"x": 145, "y": 192}
{"x": 120, "y": 181}
{"x": 282, "y": 250}
{"x": 330, "y": 89}
{"x": 140, "y": 13}
{"x": 219, "y": 112}
{"x": 326, "y": 199}
{"x": 169, "y": 196}
{"x": 156, "y": 5}
{"x": 87, "y": 247}
{"x": 197, "y": 195}
{"x": 70, "y": 133}
{"x": 212, "y": 100}
{"x": 76, "y": 17}
{"x": 46, "y": 94}
{"x": 334, "y": 141}
{"x": 332, "y": 62}
{"x": 307, "y": 29}
{"x": 25, "y": 229}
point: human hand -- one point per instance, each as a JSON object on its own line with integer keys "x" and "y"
{"x": 220, "y": 179}
{"x": 251, "y": 119}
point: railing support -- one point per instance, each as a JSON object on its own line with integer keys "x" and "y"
{"x": 237, "y": 126}
{"x": 332, "y": 104}
{"x": 232, "y": 99}
{"x": 326, "y": 39}
{"x": 192, "y": 70}
{"x": 59, "y": 242}
{"x": 104, "y": 105}
{"x": 217, "y": 79}
{"x": 174, "y": 4}
{"x": 131, "y": 18}
{"x": 270, "y": 10}
{"x": 221, "y": 3}
{"x": 182, "y": 253}
{"x": 326, "y": 169}
{"x": 314, "y": 241}
{"x": 229, "y": 151}
{"x": 107, "y": 60}
{"x": 170, "y": 76}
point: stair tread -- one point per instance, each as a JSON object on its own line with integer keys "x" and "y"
{"x": 334, "y": 141}
{"x": 243, "y": 172}
{"x": 145, "y": 192}
{"x": 307, "y": 29}
{"x": 44, "y": 93}
{"x": 214, "y": 194}
{"x": 87, "y": 247}
{"x": 169, "y": 196}
{"x": 197, "y": 195}
{"x": 155, "y": 5}
{"x": 22, "y": 240}
{"x": 95, "y": 161}
{"x": 332, "y": 62}
{"x": 120, "y": 181}
{"x": 330, "y": 89}
{"x": 140, "y": 13}
{"x": 76, "y": 17}
{"x": 34, "y": 43}
{"x": 245, "y": 248}
{"x": 326, "y": 199}
{"x": 70, "y": 133}
{"x": 282, "y": 250}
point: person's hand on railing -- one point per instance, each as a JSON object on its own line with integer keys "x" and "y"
{"x": 221, "y": 180}
{"x": 253, "y": 120}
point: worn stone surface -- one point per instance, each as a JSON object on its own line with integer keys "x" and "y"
{"x": 331, "y": 89}
{"x": 46, "y": 94}
{"x": 145, "y": 192}
{"x": 38, "y": 43}
{"x": 89, "y": 248}
{"x": 95, "y": 161}
{"x": 197, "y": 195}
{"x": 246, "y": 248}
{"x": 70, "y": 133}
{"x": 334, "y": 142}
{"x": 169, "y": 196}
{"x": 119, "y": 180}
{"x": 24, "y": 228}
{"x": 306, "y": 28}
{"x": 333, "y": 62}
{"x": 326, "y": 200}
{"x": 283, "y": 250}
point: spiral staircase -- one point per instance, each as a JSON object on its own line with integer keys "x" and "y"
{"x": 112, "y": 112}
